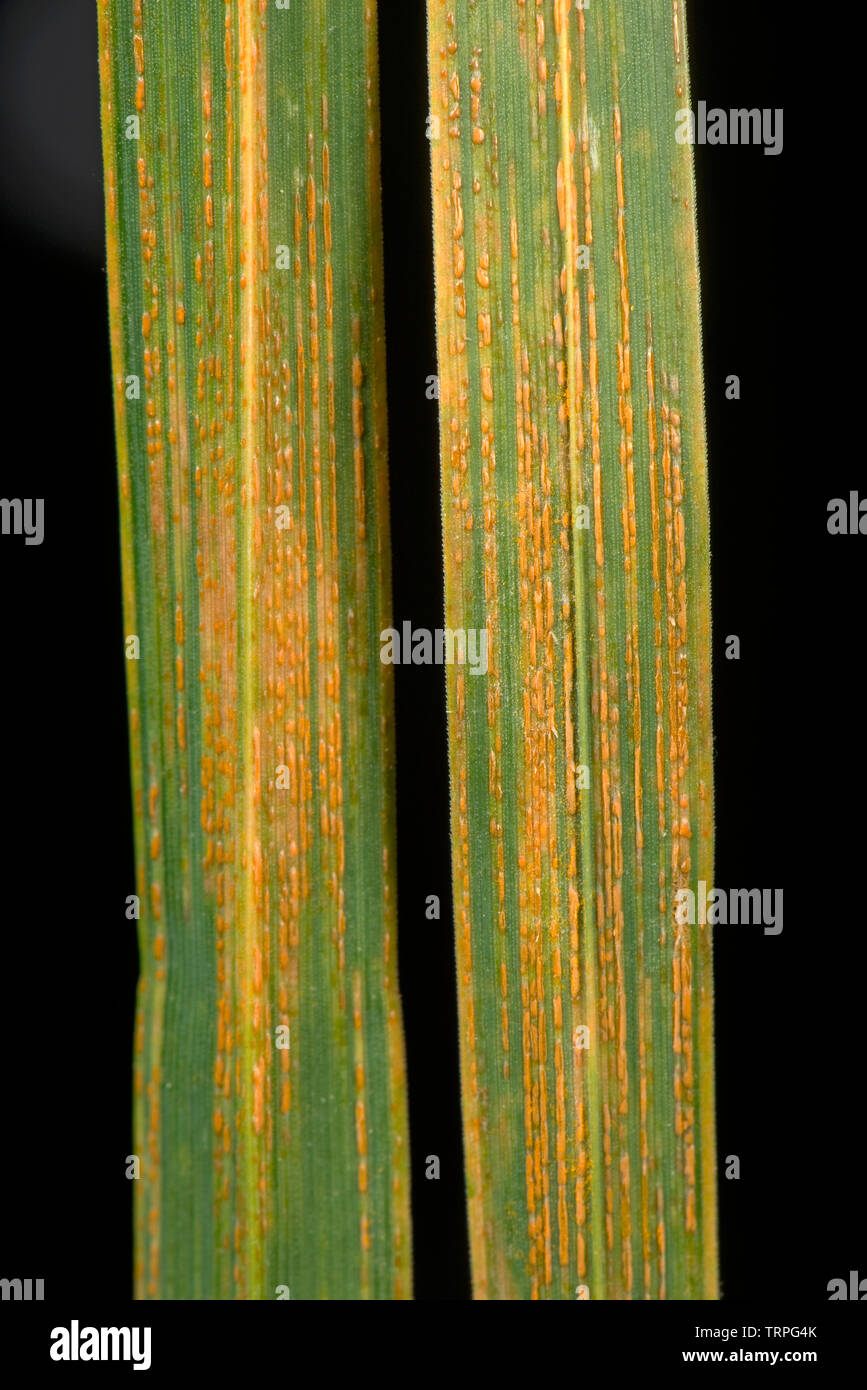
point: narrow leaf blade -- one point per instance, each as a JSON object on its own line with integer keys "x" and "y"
{"x": 576, "y": 540}
{"x": 241, "y": 149}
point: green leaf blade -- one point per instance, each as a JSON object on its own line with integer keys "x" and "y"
{"x": 254, "y": 522}
{"x": 570, "y": 378}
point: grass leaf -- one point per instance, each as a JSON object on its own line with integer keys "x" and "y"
{"x": 574, "y": 501}
{"x": 244, "y": 258}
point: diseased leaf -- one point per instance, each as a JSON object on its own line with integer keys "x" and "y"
{"x": 241, "y": 149}
{"x": 575, "y": 519}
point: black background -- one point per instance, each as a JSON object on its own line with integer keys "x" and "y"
{"x": 776, "y": 276}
